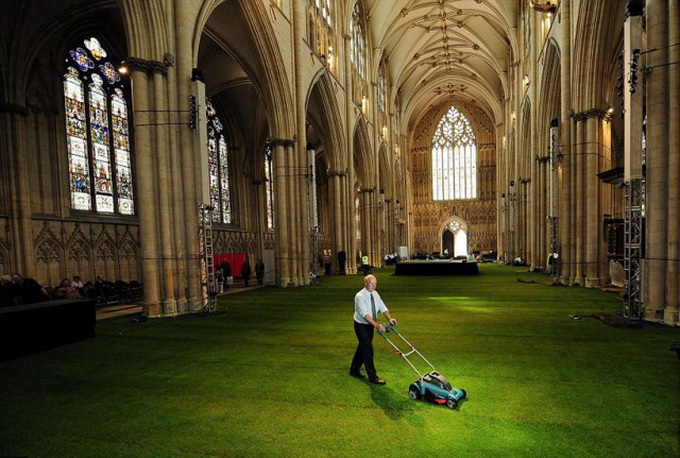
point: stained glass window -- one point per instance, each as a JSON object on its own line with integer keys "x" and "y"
{"x": 454, "y": 158}
{"x": 97, "y": 133}
{"x": 218, "y": 167}
{"x": 358, "y": 40}
{"x": 269, "y": 186}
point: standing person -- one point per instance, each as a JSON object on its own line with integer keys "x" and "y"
{"x": 225, "y": 267}
{"x": 259, "y": 271}
{"x": 367, "y": 304}
{"x": 245, "y": 272}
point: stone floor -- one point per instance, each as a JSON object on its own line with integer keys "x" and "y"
{"x": 112, "y": 311}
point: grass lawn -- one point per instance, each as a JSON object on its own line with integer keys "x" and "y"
{"x": 267, "y": 376}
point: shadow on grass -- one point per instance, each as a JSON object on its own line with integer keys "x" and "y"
{"x": 396, "y": 406}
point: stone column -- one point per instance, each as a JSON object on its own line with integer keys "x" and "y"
{"x": 146, "y": 201}
{"x": 177, "y": 232}
{"x": 281, "y": 213}
{"x": 335, "y": 182}
{"x": 184, "y": 20}
{"x": 164, "y": 192}
{"x": 21, "y": 233}
{"x": 592, "y": 224}
{"x": 293, "y": 204}
{"x": 671, "y": 316}
{"x": 564, "y": 188}
{"x": 657, "y": 159}
{"x": 579, "y": 197}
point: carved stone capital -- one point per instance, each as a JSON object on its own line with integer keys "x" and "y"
{"x": 285, "y": 142}
{"x": 592, "y": 113}
{"x": 148, "y": 66}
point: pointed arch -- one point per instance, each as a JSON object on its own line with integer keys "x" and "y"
{"x": 364, "y": 163}
{"x": 327, "y": 115}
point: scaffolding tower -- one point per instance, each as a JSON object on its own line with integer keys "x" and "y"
{"x": 634, "y": 248}
{"x": 207, "y": 259}
{"x": 553, "y": 217}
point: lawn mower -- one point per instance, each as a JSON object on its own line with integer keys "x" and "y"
{"x": 431, "y": 386}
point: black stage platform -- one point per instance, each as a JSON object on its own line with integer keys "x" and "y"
{"x": 437, "y": 267}
{"x": 35, "y": 327}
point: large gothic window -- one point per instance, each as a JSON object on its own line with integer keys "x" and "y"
{"x": 218, "y": 168}
{"x": 269, "y": 188}
{"x": 358, "y": 40}
{"x": 357, "y": 56}
{"x": 320, "y": 29}
{"x": 97, "y": 132}
{"x": 454, "y": 158}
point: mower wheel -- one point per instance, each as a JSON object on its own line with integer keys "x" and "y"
{"x": 414, "y": 392}
{"x": 451, "y": 403}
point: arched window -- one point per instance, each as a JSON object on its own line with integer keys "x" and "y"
{"x": 358, "y": 41}
{"x": 218, "y": 167}
{"x": 97, "y": 133}
{"x": 381, "y": 88}
{"x": 320, "y": 29}
{"x": 269, "y": 186}
{"x": 454, "y": 158}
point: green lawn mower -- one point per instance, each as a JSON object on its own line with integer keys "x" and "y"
{"x": 431, "y": 386}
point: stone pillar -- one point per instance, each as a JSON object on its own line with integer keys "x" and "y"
{"x": 146, "y": 201}
{"x": 177, "y": 232}
{"x": 164, "y": 192}
{"x": 579, "y": 197}
{"x": 671, "y": 315}
{"x": 188, "y": 190}
{"x": 657, "y": 159}
{"x": 21, "y": 234}
{"x": 335, "y": 179}
{"x": 281, "y": 213}
{"x": 294, "y": 204}
{"x": 592, "y": 223}
{"x": 564, "y": 188}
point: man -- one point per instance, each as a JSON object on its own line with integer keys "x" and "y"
{"x": 259, "y": 271}
{"x": 367, "y": 304}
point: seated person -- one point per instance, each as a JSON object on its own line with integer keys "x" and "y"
{"x": 29, "y": 290}
{"x": 66, "y": 290}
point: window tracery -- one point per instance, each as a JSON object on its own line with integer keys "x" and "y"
{"x": 320, "y": 17}
{"x": 97, "y": 133}
{"x": 269, "y": 188}
{"x": 218, "y": 167}
{"x": 358, "y": 55}
{"x": 454, "y": 158}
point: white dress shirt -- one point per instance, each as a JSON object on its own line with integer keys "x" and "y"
{"x": 362, "y": 305}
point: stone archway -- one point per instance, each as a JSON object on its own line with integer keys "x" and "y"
{"x": 454, "y": 236}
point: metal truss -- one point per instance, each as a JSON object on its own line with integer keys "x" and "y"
{"x": 207, "y": 259}
{"x": 634, "y": 248}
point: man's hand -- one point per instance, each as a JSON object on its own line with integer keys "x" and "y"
{"x": 393, "y": 321}
{"x": 381, "y": 328}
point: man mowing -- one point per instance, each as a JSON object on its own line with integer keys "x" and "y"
{"x": 367, "y": 304}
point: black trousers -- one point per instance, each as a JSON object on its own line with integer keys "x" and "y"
{"x": 364, "y": 353}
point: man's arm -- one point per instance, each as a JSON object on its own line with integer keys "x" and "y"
{"x": 375, "y": 324}
{"x": 387, "y": 315}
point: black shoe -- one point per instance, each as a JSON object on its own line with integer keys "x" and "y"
{"x": 377, "y": 381}
{"x": 357, "y": 374}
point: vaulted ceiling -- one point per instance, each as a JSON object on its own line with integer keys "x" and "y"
{"x": 445, "y": 50}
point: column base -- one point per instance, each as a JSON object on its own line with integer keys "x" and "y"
{"x": 671, "y": 317}
{"x": 152, "y": 310}
{"x": 594, "y": 282}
